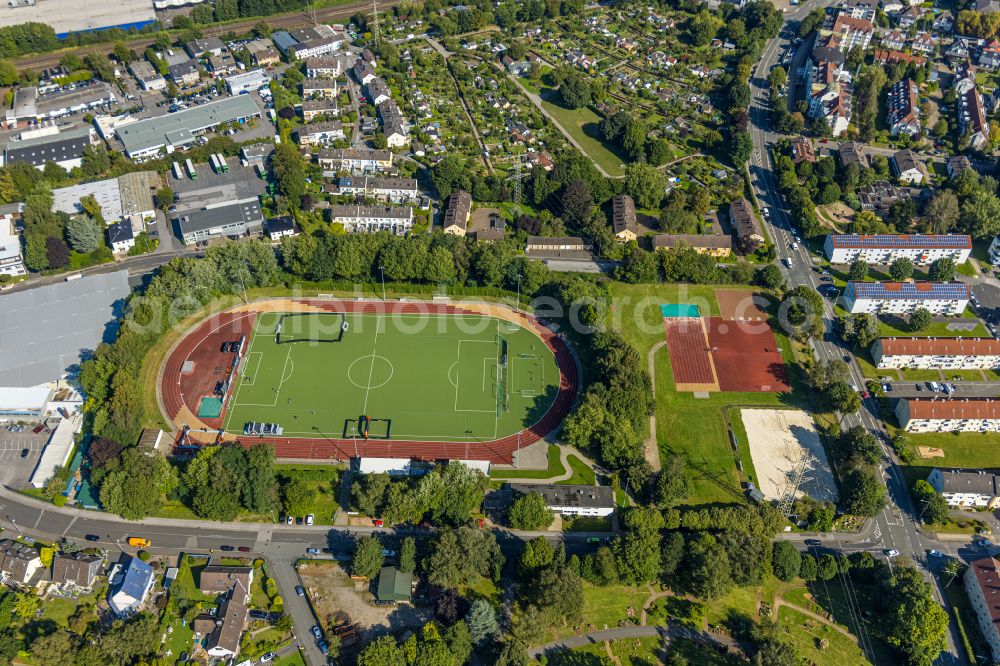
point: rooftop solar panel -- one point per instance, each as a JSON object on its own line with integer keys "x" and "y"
{"x": 956, "y": 241}
{"x": 924, "y": 291}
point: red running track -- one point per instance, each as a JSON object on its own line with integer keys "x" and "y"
{"x": 203, "y": 343}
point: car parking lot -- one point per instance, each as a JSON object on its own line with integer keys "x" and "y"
{"x": 14, "y": 469}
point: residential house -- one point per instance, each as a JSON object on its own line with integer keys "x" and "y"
{"x": 77, "y": 571}
{"x": 944, "y": 23}
{"x": 881, "y": 195}
{"x": 395, "y": 219}
{"x": 828, "y": 87}
{"x": 903, "y": 298}
{"x": 277, "y": 228}
{"x": 714, "y": 245}
{"x": 219, "y": 578}
{"x": 852, "y": 32}
{"x": 196, "y": 48}
{"x": 263, "y": 53}
{"x": 224, "y": 641}
{"x": 852, "y": 153}
{"x": 184, "y": 73}
{"x": 327, "y": 67}
{"x": 558, "y": 247}
{"x": 937, "y": 353}
{"x": 908, "y": 18}
{"x": 317, "y": 134}
{"x": 745, "y": 225}
{"x": 948, "y": 415}
{"x": 120, "y": 237}
{"x": 570, "y": 499}
{"x": 221, "y": 65}
{"x": 377, "y": 91}
{"x": 393, "y": 124}
{"x": 314, "y": 108}
{"x": 147, "y": 76}
{"x": 456, "y": 216}
{"x": 883, "y": 249}
{"x": 890, "y": 57}
{"x": 802, "y": 150}
{"x": 894, "y": 40}
{"x": 973, "y": 489}
{"x": 982, "y": 587}
{"x": 623, "y": 220}
{"x": 355, "y": 160}
{"x": 957, "y": 164}
{"x": 394, "y": 190}
{"x": 903, "y": 108}
{"x": 363, "y": 72}
{"x": 18, "y": 562}
{"x": 908, "y": 168}
{"x": 923, "y": 43}
{"x": 972, "y": 118}
{"x": 130, "y": 581}
{"x": 322, "y": 88}
{"x": 11, "y": 261}
{"x": 958, "y": 50}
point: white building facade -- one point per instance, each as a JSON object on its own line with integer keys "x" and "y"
{"x": 949, "y": 415}
{"x": 886, "y": 248}
{"x": 903, "y": 298}
{"x": 937, "y": 353}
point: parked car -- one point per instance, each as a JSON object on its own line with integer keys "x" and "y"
{"x": 890, "y": 552}
{"x": 388, "y": 552}
{"x": 24, "y": 453}
{"x": 813, "y": 542}
{"x": 324, "y": 647}
{"x": 264, "y": 658}
{"x": 312, "y": 551}
{"x": 299, "y": 590}
{"x": 289, "y": 520}
{"x": 228, "y": 549}
{"x": 92, "y": 537}
{"x": 317, "y": 632}
{"x": 933, "y": 553}
{"x": 244, "y": 549}
{"x": 310, "y": 519}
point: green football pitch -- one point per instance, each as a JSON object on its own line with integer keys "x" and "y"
{"x": 419, "y": 377}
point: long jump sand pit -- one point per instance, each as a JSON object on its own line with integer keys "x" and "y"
{"x": 788, "y": 455}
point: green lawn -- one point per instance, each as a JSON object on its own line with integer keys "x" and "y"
{"x": 324, "y": 481}
{"x": 180, "y": 639}
{"x": 961, "y": 449}
{"x": 937, "y": 329}
{"x": 583, "y": 124}
{"x": 582, "y": 474}
{"x": 921, "y": 375}
{"x": 805, "y": 634}
{"x": 290, "y": 659}
{"x": 321, "y": 389}
{"x": 693, "y": 427}
{"x": 587, "y": 524}
{"x": 555, "y": 468}
{"x": 605, "y": 606}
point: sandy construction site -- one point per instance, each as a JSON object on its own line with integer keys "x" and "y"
{"x": 788, "y": 455}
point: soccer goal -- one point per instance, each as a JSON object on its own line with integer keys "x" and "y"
{"x": 311, "y": 327}
{"x": 503, "y": 400}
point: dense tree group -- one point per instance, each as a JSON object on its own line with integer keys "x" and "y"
{"x": 447, "y": 495}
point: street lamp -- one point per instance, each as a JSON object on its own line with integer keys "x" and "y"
{"x": 382, "y": 273}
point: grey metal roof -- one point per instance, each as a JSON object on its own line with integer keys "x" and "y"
{"x": 222, "y": 216}
{"x": 52, "y": 148}
{"x": 47, "y": 329}
{"x": 151, "y": 133}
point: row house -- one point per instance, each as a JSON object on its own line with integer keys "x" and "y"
{"x": 891, "y": 57}
{"x": 355, "y": 160}
{"x": 394, "y": 190}
{"x": 314, "y": 108}
{"x": 394, "y": 219}
{"x": 322, "y": 88}
{"x": 393, "y": 124}
{"x": 902, "y": 108}
{"x": 829, "y": 89}
{"x": 320, "y": 134}
{"x": 325, "y": 67}
{"x": 966, "y": 488}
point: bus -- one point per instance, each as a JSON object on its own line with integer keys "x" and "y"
{"x": 177, "y": 171}
{"x": 222, "y": 163}
{"x": 212, "y": 160}
{"x": 190, "y": 169}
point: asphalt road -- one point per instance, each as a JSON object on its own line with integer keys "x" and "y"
{"x": 896, "y": 527}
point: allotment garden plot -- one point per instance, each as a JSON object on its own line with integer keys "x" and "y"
{"x": 391, "y": 376}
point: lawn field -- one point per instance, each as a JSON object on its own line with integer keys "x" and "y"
{"x": 584, "y": 124}
{"x": 418, "y": 377}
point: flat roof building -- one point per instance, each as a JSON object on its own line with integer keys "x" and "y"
{"x": 886, "y": 248}
{"x": 65, "y": 149}
{"x": 940, "y": 298}
{"x": 228, "y": 220}
{"x": 145, "y": 138}
{"x": 247, "y": 82}
{"x": 57, "y": 450}
{"x": 571, "y": 499}
{"x": 66, "y": 16}
{"x": 35, "y": 348}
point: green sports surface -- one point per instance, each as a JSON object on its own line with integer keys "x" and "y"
{"x": 419, "y": 377}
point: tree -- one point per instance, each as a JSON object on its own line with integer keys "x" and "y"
{"x": 740, "y": 147}
{"x": 482, "y": 621}
{"x": 842, "y": 398}
{"x": 368, "y": 558}
{"x": 858, "y": 270}
{"x": 645, "y": 183}
{"x": 289, "y": 172}
{"x": 933, "y": 506}
{"x": 382, "y": 652}
{"x": 769, "y": 277}
{"x": 164, "y": 198}
{"x": 915, "y": 624}
{"x": 408, "y": 555}
{"x": 786, "y": 560}
{"x": 920, "y": 319}
{"x": 862, "y": 493}
{"x": 861, "y": 329}
{"x": 901, "y": 269}
{"x": 672, "y": 484}
{"x": 136, "y": 489}
{"x": 57, "y": 252}
{"x": 52, "y": 649}
{"x": 707, "y": 568}
{"x": 529, "y": 512}
{"x": 575, "y": 90}
{"x": 460, "y": 556}
{"x": 296, "y": 496}
{"x": 942, "y": 213}
{"x": 83, "y": 233}
{"x": 942, "y": 270}
{"x": 826, "y": 566}
{"x": 576, "y": 202}
{"x": 807, "y": 568}
{"x": 861, "y": 445}
{"x": 537, "y": 555}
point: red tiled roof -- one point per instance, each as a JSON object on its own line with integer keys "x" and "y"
{"x": 940, "y": 346}
{"x": 984, "y": 409}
